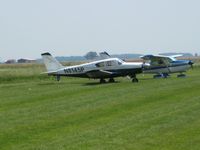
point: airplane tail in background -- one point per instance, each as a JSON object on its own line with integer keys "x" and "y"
{"x": 51, "y": 63}
{"x": 104, "y": 55}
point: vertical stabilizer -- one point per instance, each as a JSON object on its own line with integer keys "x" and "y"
{"x": 51, "y": 63}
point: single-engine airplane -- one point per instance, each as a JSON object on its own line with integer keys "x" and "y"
{"x": 108, "y": 68}
{"x": 162, "y": 66}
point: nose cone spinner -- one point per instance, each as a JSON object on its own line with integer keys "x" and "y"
{"x": 191, "y": 63}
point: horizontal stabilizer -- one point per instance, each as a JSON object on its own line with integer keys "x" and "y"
{"x": 49, "y": 72}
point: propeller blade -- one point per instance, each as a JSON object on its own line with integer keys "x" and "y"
{"x": 191, "y": 64}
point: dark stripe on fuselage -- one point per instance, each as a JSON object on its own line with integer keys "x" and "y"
{"x": 115, "y": 73}
{"x": 82, "y": 75}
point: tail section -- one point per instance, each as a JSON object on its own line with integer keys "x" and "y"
{"x": 51, "y": 63}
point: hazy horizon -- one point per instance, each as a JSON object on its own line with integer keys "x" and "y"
{"x": 73, "y": 28}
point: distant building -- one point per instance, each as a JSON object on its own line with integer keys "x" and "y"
{"x": 196, "y": 55}
{"x": 10, "y": 61}
{"x": 22, "y": 60}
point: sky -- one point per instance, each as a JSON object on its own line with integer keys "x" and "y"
{"x": 75, "y": 27}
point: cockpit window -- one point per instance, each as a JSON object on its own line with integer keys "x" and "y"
{"x": 110, "y": 63}
{"x": 160, "y": 62}
{"x": 119, "y": 62}
{"x": 169, "y": 60}
{"x": 101, "y": 64}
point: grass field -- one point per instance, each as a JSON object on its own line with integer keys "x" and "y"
{"x": 38, "y": 113}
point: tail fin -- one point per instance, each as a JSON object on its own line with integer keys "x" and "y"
{"x": 51, "y": 63}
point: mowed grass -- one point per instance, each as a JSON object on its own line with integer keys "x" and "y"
{"x": 39, "y": 113}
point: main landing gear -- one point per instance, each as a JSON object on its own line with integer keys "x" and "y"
{"x": 111, "y": 80}
{"x": 58, "y": 78}
{"x": 134, "y": 79}
{"x": 162, "y": 75}
{"x": 102, "y": 80}
{"x": 181, "y": 75}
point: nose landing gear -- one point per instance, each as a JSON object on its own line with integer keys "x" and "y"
{"x": 58, "y": 78}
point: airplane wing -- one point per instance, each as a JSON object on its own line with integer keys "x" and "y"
{"x": 107, "y": 72}
{"x": 100, "y": 73}
{"x": 175, "y": 56}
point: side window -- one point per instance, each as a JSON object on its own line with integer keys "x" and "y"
{"x": 111, "y": 63}
{"x": 160, "y": 62}
{"x": 154, "y": 62}
{"x": 101, "y": 64}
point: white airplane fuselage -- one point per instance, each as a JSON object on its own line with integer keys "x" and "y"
{"x": 107, "y": 68}
{"x": 177, "y": 66}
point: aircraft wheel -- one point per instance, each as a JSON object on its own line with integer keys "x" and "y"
{"x": 181, "y": 76}
{"x": 58, "y": 78}
{"x": 165, "y": 75}
{"x": 111, "y": 80}
{"x": 134, "y": 80}
{"x": 157, "y": 76}
{"x": 102, "y": 81}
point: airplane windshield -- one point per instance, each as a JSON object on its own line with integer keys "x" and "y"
{"x": 119, "y": 62}
{"x": 110, "y": 63}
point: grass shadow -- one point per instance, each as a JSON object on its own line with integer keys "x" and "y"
{"x": 98, "y": 83}
{"x": 52, "y": 83}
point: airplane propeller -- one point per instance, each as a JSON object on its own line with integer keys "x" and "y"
{"x": 191, "y": 63}
{"x": 143, "y": 68}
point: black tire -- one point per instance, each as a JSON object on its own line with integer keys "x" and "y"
{"x": 58, "y": 78}
{"x": 134, "y": 80}
{"x": 181, "y": 76}
{"x": 111, "y": 80}
{"x": 102, "y": 81}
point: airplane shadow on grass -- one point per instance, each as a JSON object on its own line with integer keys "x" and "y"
{"x": 52, "y": 83}
{"x": 91, "y": 83}
{"x": 98, "y": 83}
{"x": 67, "y": 83}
